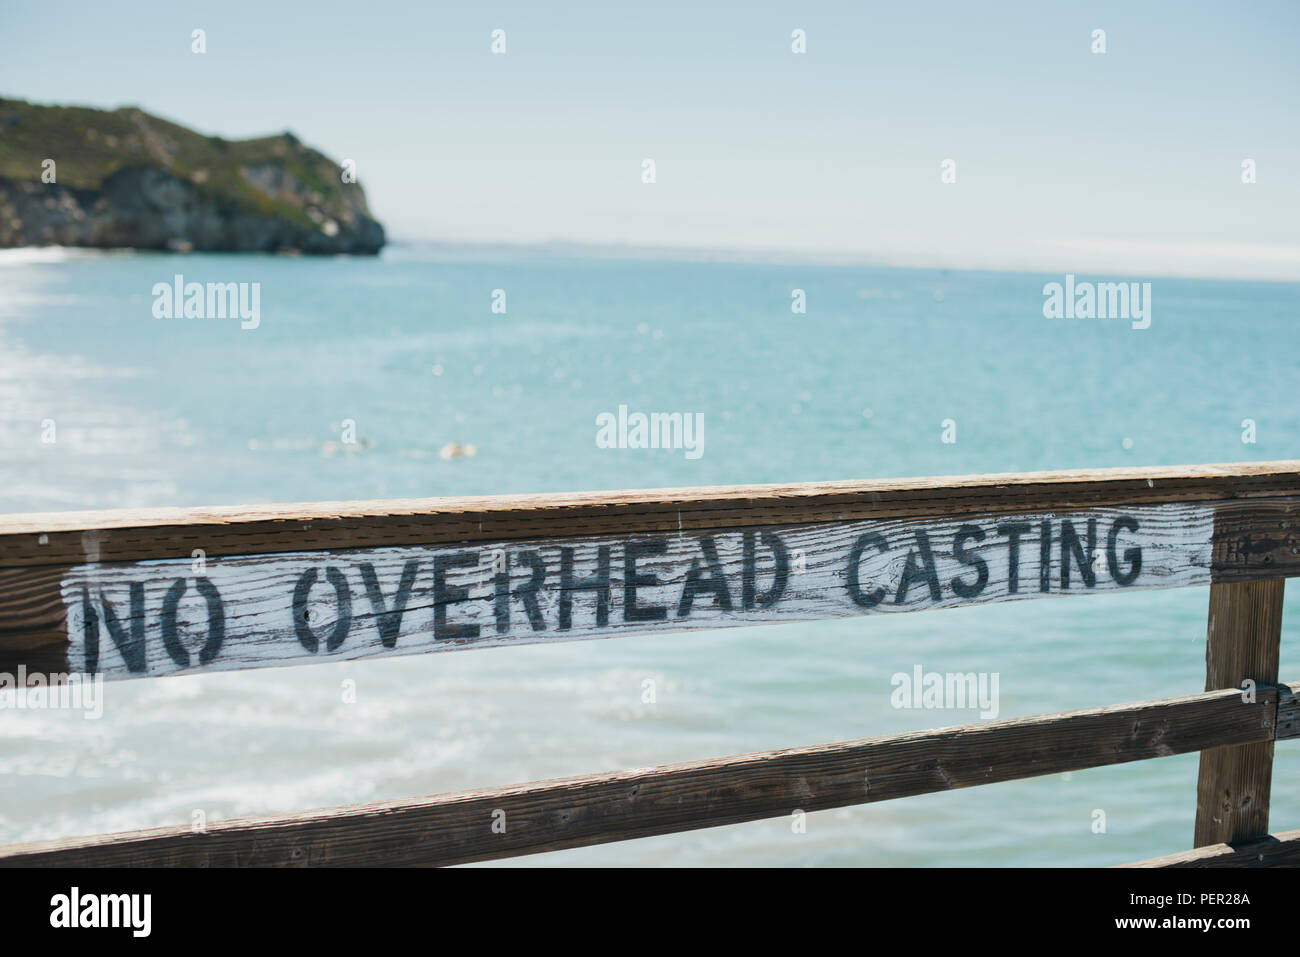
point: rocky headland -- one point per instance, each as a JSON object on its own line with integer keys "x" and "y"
{"x": 77, "y": 176}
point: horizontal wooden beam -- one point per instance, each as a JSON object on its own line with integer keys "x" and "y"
{"x": 1278, "y": 850}
{"x": 603, "y": 574}
{"x": 575, "y": 812}
{"x": 147, "y": 619}
{"x": 62, "y": 538}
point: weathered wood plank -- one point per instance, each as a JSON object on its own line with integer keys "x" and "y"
{"x": 30, "y": 598}
{"x": 33, "y": 620}
{"x": 1288, "y": 712}
{"x": 167, "y": 617}
{"x": 238, "y": 611}
{"x": 129, "y": 535}
{"x": 575, "y": 812}
{"x": 1232, "y": 791}
{"x": 1278, "y": 850}
{"x": 1254, "y": 539}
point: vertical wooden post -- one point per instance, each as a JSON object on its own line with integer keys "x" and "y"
{"x": 1245, "y": 631}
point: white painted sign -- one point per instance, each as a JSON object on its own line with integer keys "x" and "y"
{"x": 161, "y": 617}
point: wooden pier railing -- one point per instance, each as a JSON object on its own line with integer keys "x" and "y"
{"x": 143, "y": 594}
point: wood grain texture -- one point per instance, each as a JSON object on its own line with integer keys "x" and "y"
{"x": 1288, "y": 712}
{"x": 1254, "y": 535}
{"x": 128, "y": 535}
{"x": 167, "y": 617}
{"x": 1232, "y": 791}
{"x": 33, "y": 620}
{"x": 1256, "y": 539}
{"x": 30, "y": 599}
{"x": 1278, "y": 850}
{"x": 575, "y": 812}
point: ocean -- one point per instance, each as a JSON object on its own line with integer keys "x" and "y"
{"x": 104, "y": 405}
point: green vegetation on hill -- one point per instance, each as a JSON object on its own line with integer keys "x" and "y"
{"x": 276, "y": 177}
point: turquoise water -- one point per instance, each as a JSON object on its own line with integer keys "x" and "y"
{"x": 152, "y": 412}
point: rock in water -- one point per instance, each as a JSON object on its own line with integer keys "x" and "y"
{"x": 76, "y": 176}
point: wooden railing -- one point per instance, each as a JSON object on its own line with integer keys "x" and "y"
{"x": 136, "y": 594}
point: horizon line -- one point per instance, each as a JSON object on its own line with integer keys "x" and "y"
{"x": 1266, "y": 269}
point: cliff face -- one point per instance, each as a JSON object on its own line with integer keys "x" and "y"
{"x": 123, "y": 178}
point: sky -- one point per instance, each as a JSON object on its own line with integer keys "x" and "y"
{"x": 1065, "y": 159}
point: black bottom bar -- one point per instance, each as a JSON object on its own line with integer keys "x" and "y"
{"x": 661, "y": 910}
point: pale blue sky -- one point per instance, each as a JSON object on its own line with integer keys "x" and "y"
{"x": 1065, "y": 159}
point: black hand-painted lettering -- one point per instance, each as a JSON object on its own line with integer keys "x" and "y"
{"x": 444, "y": 594}
{"x": 925, "y": 571}
{"x": 216, "y": 622}
{"x": 1013, "y": 531}
{"x": 632, "y": 579}
{"x": 389, "y": 620}
{"x": 1073, "y": 549}
{"x": 1132, "y": 555}
{"x": 751, "y": 597}
{"x": 302, "y": 627}
{"x": 129, "y": 645}
{"x": 968, "y": 533}
{"x": 853, "y": 572}
{"x": 526, "y": 593}
{"x": 1044, "y": 555}
{"x": 599, "y": 583}
{"x": 697, "y": 584}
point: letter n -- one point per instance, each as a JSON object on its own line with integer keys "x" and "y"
{"x": 129, "y": 645}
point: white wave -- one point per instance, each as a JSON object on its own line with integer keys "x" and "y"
{"x": 27, "y": 255}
